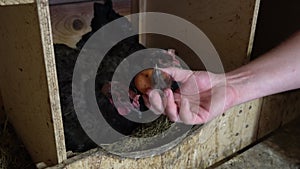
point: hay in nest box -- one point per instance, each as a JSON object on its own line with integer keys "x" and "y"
{"x": 150, "y": 139}
{"x": 13, "y": 154}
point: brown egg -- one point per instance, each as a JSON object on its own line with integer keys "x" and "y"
{"x": 143, "y": 81}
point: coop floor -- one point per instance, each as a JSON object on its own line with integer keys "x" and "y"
{"x": 281, "y": 150}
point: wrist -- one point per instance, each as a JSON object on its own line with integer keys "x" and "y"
{"x": 240, "y": 88}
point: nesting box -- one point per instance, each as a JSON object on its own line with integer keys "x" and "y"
{"x": 29, "y": 84}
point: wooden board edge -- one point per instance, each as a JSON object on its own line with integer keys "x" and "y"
{"x": 142, "y": 23}
{"x": 50, "y": 68}
{"x": 15, "y": 2}
{"x": 253, "y": 28}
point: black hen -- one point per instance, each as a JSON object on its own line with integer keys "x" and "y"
{"x": 76, "y": 138}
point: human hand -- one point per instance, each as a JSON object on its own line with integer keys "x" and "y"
{"x": 201, "y": 97}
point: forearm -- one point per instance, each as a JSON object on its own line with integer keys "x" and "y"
{"x": 274, "y": 72}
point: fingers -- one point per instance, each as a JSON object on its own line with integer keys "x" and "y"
{"x": 179, "y": 75}
{"x": 168, "y": 105}
{"x": 163, "y": 105}
{"x": 156, "y": 102}
{"x": 146, "y": 101}
{"x": 192, "y": 114}
{"x": 186, "y": 78}
{"x": 185, "y": 113}
{"x": 190, "y": 111}
{"x": 171, "y": 106}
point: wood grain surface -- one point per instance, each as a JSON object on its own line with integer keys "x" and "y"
{"x": 228, "y": 24}
{"x": 213, "y": 142}
{"x": 71, "y": 21}
{"x": 28, "y": 80}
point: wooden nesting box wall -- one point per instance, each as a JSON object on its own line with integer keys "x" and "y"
{"x": 230, "y": 25}
{"x": 71, "y": 21}
{"x": 30, "y": 90}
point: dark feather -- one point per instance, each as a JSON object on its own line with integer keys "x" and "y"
{"x": 76, "y": 138}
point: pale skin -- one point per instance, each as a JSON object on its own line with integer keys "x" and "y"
{"x": 276, "y": 71}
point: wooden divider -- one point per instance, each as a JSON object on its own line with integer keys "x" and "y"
{"x": 28, "y": 80}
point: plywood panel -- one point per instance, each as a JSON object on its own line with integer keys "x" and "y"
{"x": 280, "y": 150}
{"x": 28, "y": 80}
{"x": 215, "y": 141}
{"x": 278, "y": 110}
{"x": 292, "y": 111}
{"x": 271, "y": 114}
{"x": 228, "y": 24}
{"x": 71, "y": 21}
